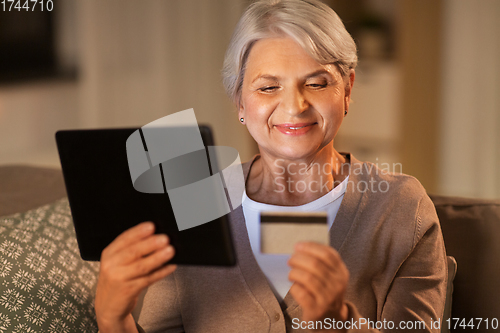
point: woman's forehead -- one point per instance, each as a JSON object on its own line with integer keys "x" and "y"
{"x": 274, "y": 57}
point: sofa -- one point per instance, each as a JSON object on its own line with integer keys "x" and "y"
{"x": 46, "y": 287}
{"x": 471, "y": 231}
{"x": 44, "y": 284}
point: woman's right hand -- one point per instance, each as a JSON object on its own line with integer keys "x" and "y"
{"x": 132, "y": 262}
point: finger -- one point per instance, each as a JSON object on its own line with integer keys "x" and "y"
{"x": 161, "y": 273}
{"x": 311, "y": 282}
{"x": 313, "y": 265}
{"x": 314, "y": 297}
{"x": 316, "y": 277}
{"x": 129, "y": 237}
{"x": 144, "y": 248}
{"x": 155, "y": 276}
{"x": 328, "y": 255}
{"x": 145, "y": 266}
{"x": 322, "y": 290}
{"x": 303, "y": 297}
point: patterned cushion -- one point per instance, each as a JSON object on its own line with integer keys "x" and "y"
{"x": 44, "y": 284}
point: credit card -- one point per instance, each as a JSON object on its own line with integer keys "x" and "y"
{"x": 280, "y": 231}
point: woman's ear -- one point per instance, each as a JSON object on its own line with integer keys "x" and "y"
{"x": 241, "y": 113}
{"x": 348, "y": 90}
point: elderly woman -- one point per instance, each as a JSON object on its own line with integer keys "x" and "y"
{"x": 290, "y": 71}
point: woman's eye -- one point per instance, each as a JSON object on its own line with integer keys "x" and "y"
{"x": 317, "y": 85}
{"x": 269, "y": 89}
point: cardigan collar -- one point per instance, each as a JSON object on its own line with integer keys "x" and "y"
{"x": 254, "y": 277}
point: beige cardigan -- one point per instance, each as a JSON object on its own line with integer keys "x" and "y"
{"x": 390, "y": 242}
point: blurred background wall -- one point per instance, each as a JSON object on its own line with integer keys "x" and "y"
{"x": 425, "y": 100}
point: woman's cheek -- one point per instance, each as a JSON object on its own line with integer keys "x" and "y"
{"x": 258, "y": 111}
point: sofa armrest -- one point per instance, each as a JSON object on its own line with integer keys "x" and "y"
{"x": 471, "y": 231}
{"x": 26, "y": 187}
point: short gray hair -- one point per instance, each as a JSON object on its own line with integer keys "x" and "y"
{"x": 311, "y": 23}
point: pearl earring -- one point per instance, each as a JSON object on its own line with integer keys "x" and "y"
{"x": 242, "y": 120}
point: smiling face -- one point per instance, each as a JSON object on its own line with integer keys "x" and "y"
{"x": 292, "y": 105}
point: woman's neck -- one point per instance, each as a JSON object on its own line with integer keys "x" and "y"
{"x": 286, "y": 182}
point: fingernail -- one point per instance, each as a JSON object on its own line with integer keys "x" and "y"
{"x": 161, "y": 239}
{"x": 299, "y": 246}
{"x": 169, "y": 249}
{"x": 148, "y": 226}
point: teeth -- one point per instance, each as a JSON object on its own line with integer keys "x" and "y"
{"x": 295, "y": 128}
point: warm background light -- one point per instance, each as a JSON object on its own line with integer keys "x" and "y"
{"x": 426, "y": 91}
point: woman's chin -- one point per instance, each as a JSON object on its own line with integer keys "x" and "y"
{"x": 292, "y": 147}
{"x": 295, "y": 152}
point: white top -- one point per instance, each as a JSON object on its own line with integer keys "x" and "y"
{"x": 275, "y": 266}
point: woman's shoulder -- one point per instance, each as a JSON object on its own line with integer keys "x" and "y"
{"x": 394, "y": 196}
{"x": 385, "y": 178}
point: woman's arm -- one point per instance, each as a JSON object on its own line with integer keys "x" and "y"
{"x": 418, "y": 290}
{"x": 416, "y": 293}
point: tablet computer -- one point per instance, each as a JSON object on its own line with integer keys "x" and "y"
{"x": 104, "y": 202}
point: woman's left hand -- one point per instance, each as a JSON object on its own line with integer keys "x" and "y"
{"x": 320, "y": 280}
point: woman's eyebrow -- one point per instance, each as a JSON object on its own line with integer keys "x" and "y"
{"x": 266, "y": 77}
{"x": 317, "y": 73}
{"x": 308, "y": 76}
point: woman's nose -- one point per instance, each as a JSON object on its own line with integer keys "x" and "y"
{"x": 293, "y": 101}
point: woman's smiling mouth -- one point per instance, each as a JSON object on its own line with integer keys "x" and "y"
{"x": 294, "y": 129}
